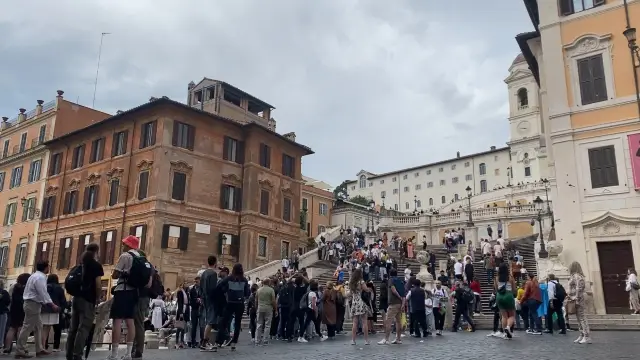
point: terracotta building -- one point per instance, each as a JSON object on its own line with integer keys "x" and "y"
{"x": 189, "y": 183}
{"x": 316, "y": 207}
{"x": 23, "y": 168}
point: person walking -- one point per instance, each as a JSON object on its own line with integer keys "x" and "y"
{"x": 266, "y": 306}
{"x": 5, "y": 301}
{"x": 195, "y": 304}
{"x": 235, "y": 288}
{"x": 35, "y": 297}
{"x": 208, "y": 286}
{"x": 505, "y": 287}
{"x": 577, "y": 290}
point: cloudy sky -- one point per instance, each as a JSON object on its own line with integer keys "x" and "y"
{"x": 368, "y": 84}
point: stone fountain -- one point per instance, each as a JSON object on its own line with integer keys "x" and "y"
{"x": 424, "y": 275}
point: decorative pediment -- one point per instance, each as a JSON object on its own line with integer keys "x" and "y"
{"x": 588, "y": 43}
{"x": 611, "y": 224}
{"x": 51, "y": 190}
{"x": 74, "y": 184}
{"x": 518, "y": 75}
{"x": 266, "y": 183}
{"x": 181, "y": 166}
{"x": 232, "y": 179}
{"x": 145, "y": 165}
{"x": 93, "y": 179}
{"x": 115, "y": 173}
{"x": 608, "y": 216}
{"x": 286, "y": 187}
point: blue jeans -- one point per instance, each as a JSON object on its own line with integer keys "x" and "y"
{"x": 535, "y": 321}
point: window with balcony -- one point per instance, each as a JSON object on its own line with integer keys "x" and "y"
{"x": 183, "y": 135}
{"x": 119, "y": 146}
{"x": 97, "y": 150}
{"x": 568, "y": 7}
{"x": 77, "y": 160}
{"x": 70, "y": 202}
{"x": 265, "y": 156}
{"x": 148, "y": 134}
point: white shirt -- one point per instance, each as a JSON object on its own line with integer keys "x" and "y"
{"x": 497, "y": 250}
{"x": 285, "y": 263}
{"x": 36, "y": 289}
{"x": 551, "y": 289}
{"x": 407, "y": 274}
{"x": 458, "y": 268}
{"x": 428, "y": 303}
{"x": 501, "y": 242}
{"x": 486, "y": 248}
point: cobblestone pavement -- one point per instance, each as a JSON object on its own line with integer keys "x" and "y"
{"x": 606, "y": 344}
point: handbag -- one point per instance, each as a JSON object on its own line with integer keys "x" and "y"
{"x": 570, "y": 307}
{"x": 179, "y": 324}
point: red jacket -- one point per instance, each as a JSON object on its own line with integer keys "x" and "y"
{"x": 532, "y": 291}
{"x": 475, "y": 287}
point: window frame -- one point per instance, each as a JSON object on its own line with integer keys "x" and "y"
{"x": 181, "y": 139}
{"x": 287, "y": 209}
{"x": 77, "y": 158}
{"x": 114, "y": 192}
{"x": 265, "y": 197}
{"x": 266, "y": 243}
{"x": 265, "y": 156}
{"x": 567, "y": 7}
{"x": 584, "y": 166}
{"x": 120, "y": 143}
{"x": 34, "y": 176}
{"x": 173, "y": 185}
{"x": 289, "y": 167}
{"x": 16, "y": 177}
{"x": 148, "y": 134}
{"x": 97, "y": 150}
{"x": 146, "y": 187}
{"x": 482, "y": 169}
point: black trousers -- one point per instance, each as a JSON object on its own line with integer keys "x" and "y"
{"x": 438, "y": 318}
{"x": 232, "y": 310}
{"x": 273, "y": 331}
{"x": 283, "y": 329}
{"x": 557, "y": 309}
{"x": 296, "y": 315}
{"x": 419, "y": 318}
{"x": 57, "y": 333}
{"x": 464, "y": 312}
{"x": 310, "y": 316}
{"x": 252, "y": 324}
{"x": 195, "y": 318}
{"x": 331, "y": 330}
{"x": 340, "y": 310}
{"x": 496, "y": 321}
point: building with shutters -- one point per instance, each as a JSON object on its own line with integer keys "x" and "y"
{"x": 187, "y": 182}
{"x": 317, "y": 200}
{"x": 23, "y": 168}
{"x": 587, "y": 73}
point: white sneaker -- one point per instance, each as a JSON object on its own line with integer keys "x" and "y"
{"x": 585, "y": 340}
{"x": 324, "y": 337}
{"x": 111, "y": 357}
{"x": 491, "y": 334}
{"x": 578, "y": 339}
{"x": 126, "y": 357}
{"x": 302, "y": 340}
{"x": 383, "y": 342}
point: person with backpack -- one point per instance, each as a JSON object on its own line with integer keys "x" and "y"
{"x": 505, "y": 287}
{"x": 235, "y": 288}
{"x": 557, "y": 295}
{"x": 132, "y": 274}
{"x": 284, "y": 300}
{"x": 83, "y": 283}
{"x": 464, "y": 302}
{"x": 396, "y": 305}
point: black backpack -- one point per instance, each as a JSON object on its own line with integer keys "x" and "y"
{"x": 141, "y": 271}
{"x": 304, "y": 302}
{"x": 157, "y": 288}
{"x": 73, "y": 281}
{"x": 467, "y": 295}
{"x": 561, "y": 293}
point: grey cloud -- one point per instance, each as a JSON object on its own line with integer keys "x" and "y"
{"x": 365, "y": 84}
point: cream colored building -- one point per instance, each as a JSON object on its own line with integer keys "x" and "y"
{"x": 590, "y": 112}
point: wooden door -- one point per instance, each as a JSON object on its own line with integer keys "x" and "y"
{"x": 615, "y": 258}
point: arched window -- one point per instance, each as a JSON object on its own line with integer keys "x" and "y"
{"x": 483, "y": 185}
{"x": 363, "y": 182}
{"x": 444, "y": 199}
{"x": 430, "y": 201}
{"x": 523, "y": 98}
{"x": 482, "y": 168}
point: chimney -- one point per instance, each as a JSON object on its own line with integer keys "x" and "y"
{"x": 493, "y": 148}
{"x": 119, "y": 112}
{"x": 22, "y": 116}
{"x": 291, "y": 136}
{"x": 271, "y": 124}
{"x": 59, "y": 98}
{"x": 39, "y": 107}
{"x": 153, "y": 98}
{"x": 4, "y": 124}
{"x": 458, "y": 154}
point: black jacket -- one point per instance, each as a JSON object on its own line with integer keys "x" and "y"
{"x": 194, "y": 295}
{"x": 56, "y": 292}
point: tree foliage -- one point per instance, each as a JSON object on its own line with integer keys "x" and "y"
{"x": 360, "y": 200}
{"x": 340, "y": 192}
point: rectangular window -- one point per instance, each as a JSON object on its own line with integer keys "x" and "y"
{"x": 305, "y": 204}
{"x": 442, "y": 182}
{"x": 288, "y": 166}
{"x": 286, "y": 209}
{"x": 404, "y": 177}
{"x": 264, "y": 202}
{"x": 395, "y": 191}
{"x": 496, "y": 172}
{"x": 440, "y": 169}
{"x": 324, "y": 209}
{"x": 23, "y": 142}
{"x": 119, "y": 146}
{"x": 114, "y": 191}
{"x": 468, "y": 177}
{"x": 383, "y": 194}
{"x": 262, "y": 246}
{"x": 418, "y": 186}
{"x": 430, "y": 184}
{"x": 34, "y": 170}
{"x": 70, "y": 202}
{"x": 527, "y": 171}
{"x": 2, "y": 176}
{"x": 453, "y": 167}
{"x": 42, "y": 134}
{"x": 428, "y": 172}
{"x": 64, "y": 253}
{"x": 265, "y": 156}
{"x": 5, "y": 150}
{"x": 21, "y": 254}
{"x": 467, "y": 164}
{"x": 148, "y": 134}
{"x": 183, "y": 135}
{"x": 393, "y": 179}
{"x": 381, "y": 182}
{"x": 56, "y": 164}
{"x": 139, "y": 231}
{"x": 29, "y": 209}
{"x": 4, "y": 256}
{"x": 406, "y": 189}
{"x": 107, "y": 246}
{"x": 90, "y": 197}
{"x": 16, "y": 177}
{"x": 78, "y": 157}
{"x": 593, "y": 87}
{"x": 48, "y": 207}
{"x": 97, "y": 150}
{"x": 143, "y": 185}
{"x": 10, "y": 214}
{"x": 568, "y": 7}
{"x": 233, "y": 150}
{"x": 454, "y": 180}
{"x": 179, "y": 188}
{"x": 416, "y": 174}
{"x": 231, "y": 198}
{"x": 603, "y": 167}
{"x": 483, "y": 186}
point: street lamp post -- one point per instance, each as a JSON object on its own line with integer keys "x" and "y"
{"x": 630, "y": 34}
{"x": 546, "y": 195}
{"x": 372, "y": 207}
{"x": 470, "y": 221}
{"x": 539, "y": 204}
{"x": 415, "y": 203}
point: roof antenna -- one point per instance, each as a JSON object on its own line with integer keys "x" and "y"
{"x": 95, "y": 86}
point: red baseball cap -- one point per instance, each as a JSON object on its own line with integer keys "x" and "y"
{"x": 132, "y": 242}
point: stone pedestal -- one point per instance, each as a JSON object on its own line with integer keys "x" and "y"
{"x": 151, "y": 340}
{"x": 448, "y": 318}
{"x": 471, "y": 237}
